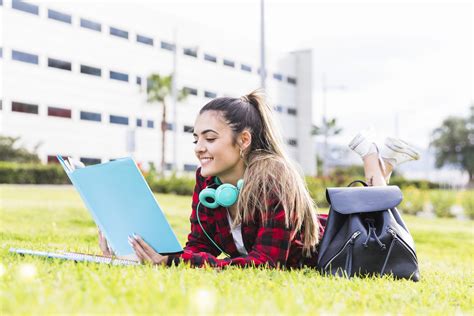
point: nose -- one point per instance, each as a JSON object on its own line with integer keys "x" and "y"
{"x": 199, "y": 148}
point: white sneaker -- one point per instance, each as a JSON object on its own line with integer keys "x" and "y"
{"x": 396, "y": 151}
{"x": 363, "y": 143}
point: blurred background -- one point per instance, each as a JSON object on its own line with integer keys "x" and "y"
{"x": 100, "y": 80}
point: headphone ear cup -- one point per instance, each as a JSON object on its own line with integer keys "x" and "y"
{"x": 208, "y": 193}
{"x": 226, "y": 194}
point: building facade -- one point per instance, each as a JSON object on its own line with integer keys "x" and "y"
{"x": 74, "y": 82}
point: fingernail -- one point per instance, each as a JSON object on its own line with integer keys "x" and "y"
{"x": 135, "y": 236}
{"x": 130, "y": 239}
{"x": 130, "y": 243}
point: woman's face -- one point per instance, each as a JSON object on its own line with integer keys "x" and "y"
{"x": 214, "y": 148}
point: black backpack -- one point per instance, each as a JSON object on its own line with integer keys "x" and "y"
{"x": 365, "y": 234}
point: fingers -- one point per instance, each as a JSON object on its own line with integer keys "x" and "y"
{"x": 147, "y": 248}
{"x": 139, "y": 251}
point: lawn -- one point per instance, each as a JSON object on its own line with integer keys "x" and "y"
{"x": 54, "y": 218}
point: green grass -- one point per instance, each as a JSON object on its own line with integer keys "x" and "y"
{"x": 54, "y": 218}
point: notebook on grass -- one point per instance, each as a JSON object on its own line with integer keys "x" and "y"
{"x": 121, "y": 204}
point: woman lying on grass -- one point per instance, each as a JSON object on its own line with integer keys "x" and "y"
{"x": 261, "y": 212}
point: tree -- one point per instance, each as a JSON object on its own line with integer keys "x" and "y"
{"x": 328, "y": 129}
{"x": 453, "y": 142}
{"x": 9, "y": 151}
{"x": 159, "y": 88}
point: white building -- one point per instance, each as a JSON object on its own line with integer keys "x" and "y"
{"x": 74, "y": 81}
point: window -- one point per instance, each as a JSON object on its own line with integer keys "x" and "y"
{"x": 150, "y": 124}
{"x": 190, "y": 91}
{"x": 278, "y": 108}
{"x": 58, "y": 16}
{"x": 115, "y": 119}
{"x": 169, "y": 126}
{"x": 246, "y": 68}
{"x": 291, "y": 80}
{"x": 91, "y": 116}
{"x": 90, "y": 161}
{"x": 144, "y": 40}
{"x": 210, "y": 58}
{"x": 59, "y": 112}
{"x": 1, "y": 52}
{"x": 139, "y": 81}
{"x": 118, "y": 76}
{"x": 1, "y": 104}
{"x": 292, "y": 142}
{"x": 24, "y": 57}
{"x": 93, "y": 71}
{"x": 188, "y": 129}
{"x": 24, "y": 107}
{"x": 139, "y": 122}
{"x": 229, "y": 63}
{"x": 190, "y": 52}
{"x": 190, "y": 167}
{"x": 278, "y": 77}
{"x": 291, "y": 111}
{"x": 210, "y": 95}
{"x": 168, "y": 166}
{"x": 91, "y": 25}
{"x": 118, "y": 32}
{"x": 167, "y": 46}
{"x": 60, "y": 64}
{"x": 25, "y": 7}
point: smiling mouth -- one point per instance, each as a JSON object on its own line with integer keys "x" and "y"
{"x": 206, "y": 160}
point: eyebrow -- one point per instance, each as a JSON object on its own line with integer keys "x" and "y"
{"x": 206, "y": 131}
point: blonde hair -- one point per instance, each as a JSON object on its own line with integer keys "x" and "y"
{"x": 270, "y": 175}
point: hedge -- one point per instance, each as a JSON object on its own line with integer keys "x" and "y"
{"x": 11, "y": 172}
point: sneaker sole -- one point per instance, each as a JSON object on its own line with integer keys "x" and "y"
{"x": 402, "y": 147}
{"x": 356, "y": 141}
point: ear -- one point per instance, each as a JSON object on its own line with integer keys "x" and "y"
{"x": 245, "y": 139}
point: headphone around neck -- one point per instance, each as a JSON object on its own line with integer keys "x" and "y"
{"x": 225, "y": 195}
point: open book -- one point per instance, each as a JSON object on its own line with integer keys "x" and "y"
{"x": 121, "y": 204}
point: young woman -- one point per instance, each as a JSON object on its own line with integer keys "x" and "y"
{"x": 250, "y": 202}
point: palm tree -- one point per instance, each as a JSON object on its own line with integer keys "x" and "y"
{"x": 159, "y": 88}
{"x": 328, "y": 129}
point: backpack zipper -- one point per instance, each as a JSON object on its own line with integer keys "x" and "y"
{"x": 403, "y": 243}
{"x": 350, "y": 241}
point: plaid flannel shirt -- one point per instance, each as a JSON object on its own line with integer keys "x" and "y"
{"x": 267, "y": 241}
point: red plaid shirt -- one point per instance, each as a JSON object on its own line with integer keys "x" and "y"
{"x": 267, "y": 241}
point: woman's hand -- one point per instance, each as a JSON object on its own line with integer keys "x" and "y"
{"x": 144, "y": 252}
{"x": 104, "y": 246}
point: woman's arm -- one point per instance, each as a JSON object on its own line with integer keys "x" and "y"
{"x": 271, "y": 247}
{"x": 197, "y": 240}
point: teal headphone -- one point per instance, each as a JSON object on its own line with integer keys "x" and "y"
{"x": 225, "y": 195}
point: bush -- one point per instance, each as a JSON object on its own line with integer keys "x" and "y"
{"x": 442, "y": 202}
{"x": 317, "y": 190}
{"x": 20, "y": 173}
{"x": 173, "y": 184}
{"x": 467, "y": 202}
{"x": 413, "y": 200}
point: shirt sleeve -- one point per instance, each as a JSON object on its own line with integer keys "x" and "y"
{"x": 197, "y": 245}
{"x": 271, "y": 247}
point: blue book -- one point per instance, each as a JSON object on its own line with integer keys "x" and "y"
{"x": 121, "y": 203}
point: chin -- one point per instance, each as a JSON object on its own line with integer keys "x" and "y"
{"x": 205, "y": 172}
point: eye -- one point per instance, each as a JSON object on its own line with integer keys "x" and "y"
{"x": 195, "y": 142}
{"x": 211, "y": 139}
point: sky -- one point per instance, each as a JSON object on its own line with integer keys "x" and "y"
{"x": 401, "y": 67}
